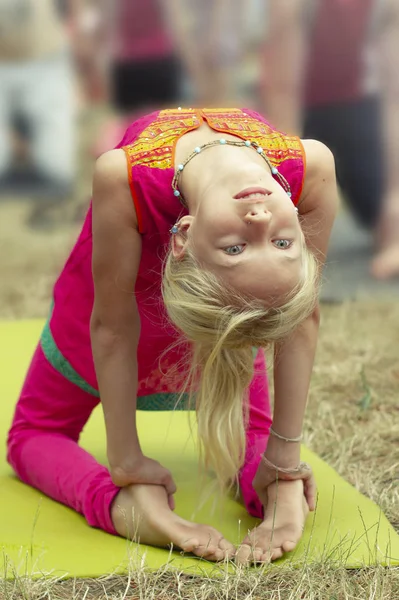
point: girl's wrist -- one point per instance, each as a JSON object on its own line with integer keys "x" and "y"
{"x": 120, "y": 457}
{"x": 283, "y": 454}
{"x": 283, "y": 438}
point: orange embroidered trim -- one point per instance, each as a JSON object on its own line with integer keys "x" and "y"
{"x": 154, "y": 147}
{"x": 277, "y": 147}
{"x": 132, "y": 190}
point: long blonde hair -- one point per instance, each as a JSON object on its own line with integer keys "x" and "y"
{"x": 223, "y": 327}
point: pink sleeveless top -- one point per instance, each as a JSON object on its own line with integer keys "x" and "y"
{"x": 149, "y": 145}
{"x": 140, "y": 31}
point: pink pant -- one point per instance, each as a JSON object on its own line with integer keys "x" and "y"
{"x": 44, "y": 452}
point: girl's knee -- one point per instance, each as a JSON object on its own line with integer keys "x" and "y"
{"x": 16, "y": 440}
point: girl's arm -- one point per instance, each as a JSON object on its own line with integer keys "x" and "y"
{"x": 294, "y": 357}
{"x": 115, "y": 321}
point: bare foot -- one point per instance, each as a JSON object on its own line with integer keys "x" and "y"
{"x": 141, "y": 513}
{"x": 282, "y": 525}
{"x": 386, "y": 264}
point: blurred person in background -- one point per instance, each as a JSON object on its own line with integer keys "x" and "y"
{"x": 90, "y": 50}
{"x": 211, "y": 37}
{"x": 331, "y": 72}
{"x": 37, "y": 136}
{"x": 143, "y": 70}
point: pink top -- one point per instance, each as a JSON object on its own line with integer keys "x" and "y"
{"x": 140, "y": 32}
{"x": 149, "y": 145}
{"x": 337, "y": 67}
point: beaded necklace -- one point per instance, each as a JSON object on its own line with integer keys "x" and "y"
{"x": 247, "y": 143}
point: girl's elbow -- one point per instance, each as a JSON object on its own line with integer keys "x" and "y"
{"x": 316, "y": 314}
{"x": 313, "y": 320}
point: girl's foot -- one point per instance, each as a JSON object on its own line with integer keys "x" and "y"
{"x": 141, "y": 513}
{"x": 282, "y": 526}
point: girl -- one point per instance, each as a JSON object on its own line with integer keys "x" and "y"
{"x": 240, "y": 272}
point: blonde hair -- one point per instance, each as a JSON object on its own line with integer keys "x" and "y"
{"x": 223, "y": 327}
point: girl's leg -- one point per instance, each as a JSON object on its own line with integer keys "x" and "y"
{"x": 257, "y": 434}
{"x": 43, "y": 448}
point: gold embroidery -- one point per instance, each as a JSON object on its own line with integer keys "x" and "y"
{"x": 153, "y": 147}
{"x": 277, "y": 147}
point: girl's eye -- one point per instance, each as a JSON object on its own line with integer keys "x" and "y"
{"x": 283, "y": 244}
{"x": 237, "y": 249}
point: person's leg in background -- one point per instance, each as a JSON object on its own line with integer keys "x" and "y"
{"x": 137, "y": 88}
{"x": 385, "y": 263}
{"x": 361, "y": 162}
{"x": 352, "y": 132}
{"x": 50, "y": 110}
{"x": 5, "y": 118}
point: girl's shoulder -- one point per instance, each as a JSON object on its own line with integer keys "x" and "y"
{"x": 319, "y": 201}
{"x": 319, "y": 161}
{"x": 134, "y": 129}
{"x": 111, "y": 186}
{"x": 110, "y": 168}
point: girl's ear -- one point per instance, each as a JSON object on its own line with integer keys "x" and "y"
{"x": 180, "y": 239}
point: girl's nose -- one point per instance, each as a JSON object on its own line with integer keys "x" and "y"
{"x": 258, "y": 215}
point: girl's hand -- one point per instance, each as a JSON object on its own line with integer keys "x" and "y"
{"x": 147, "y": 471}
{"x": 266, "y": 475}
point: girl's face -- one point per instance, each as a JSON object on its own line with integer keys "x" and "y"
{"x": 249, "y": 235}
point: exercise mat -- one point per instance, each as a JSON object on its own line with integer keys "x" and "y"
{"x": 39, "y": 536}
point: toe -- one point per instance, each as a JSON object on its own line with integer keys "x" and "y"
{"x": 277, "y": 553}
{"x": 243, "y": 554}
{"x": 217, "y": 547}
{"x": 257, "y": 554}
{"x": 189, "y": 545}
{"x": 227, "y": 548}
{"x": 205, "y": 542}
{"x": 217, "y": 556}
{"x": 247, "y": 554}
{"x": 266, "y": 557}
{"x": 289, "y": 546}
{"x": 209, "y": 552}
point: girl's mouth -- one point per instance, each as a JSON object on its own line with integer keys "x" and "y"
{"x": 252, "y": 193}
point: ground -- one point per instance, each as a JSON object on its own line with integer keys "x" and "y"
{"x": 352, "y": 420}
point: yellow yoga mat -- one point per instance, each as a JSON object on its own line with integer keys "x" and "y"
{"x": 38, "y": 535}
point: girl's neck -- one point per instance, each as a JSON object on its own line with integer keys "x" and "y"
{"x": 216, "y": 166}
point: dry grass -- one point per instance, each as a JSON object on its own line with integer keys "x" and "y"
{"x": 352, "y": 422}
{"x": 353, "y": 416}
{"x": 29, "y": 263}
{"x": 317, "y": 582}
